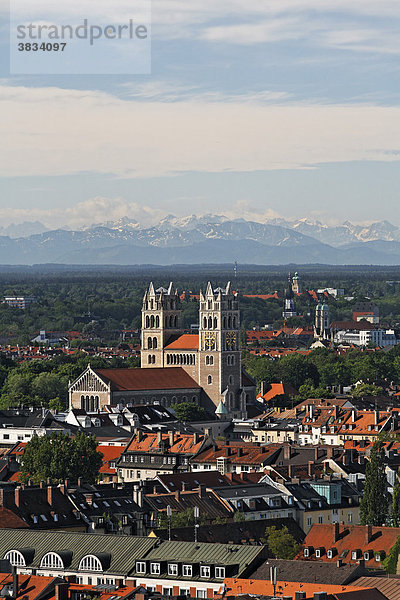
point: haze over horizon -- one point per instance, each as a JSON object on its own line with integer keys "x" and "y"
{"x": 260, "y": 110}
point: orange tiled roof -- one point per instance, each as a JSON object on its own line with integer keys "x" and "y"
{"x": 262, "y": 296}
{"x": 235, "y": 587}
{"x": 29, "y": 586}
{"x": 183, "y": 443}
{"x": 9, "y": 520}
{"x": 187, "y": 341}
{"x": 238, "y": 453}
{"x": 156, "y": 378}
{"x": 109, "y": 453}
{"x": 278, "y": 389}
{"x": 350, "y": 538}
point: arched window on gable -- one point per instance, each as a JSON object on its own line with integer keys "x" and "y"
{"x": 51, "y": 560}
{"x": 90, "y": 563}
{"x": 16, "y": 558}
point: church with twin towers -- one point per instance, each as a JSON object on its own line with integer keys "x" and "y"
{"x": 212, "y": 357}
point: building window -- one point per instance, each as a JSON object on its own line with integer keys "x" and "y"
{"x": 90, "y": 563}
{"x": 155, "y": 568}
{"x": 167, "y": 591}
{"x": 202, "y": 593}
{"x": 220, "y": 572}
{"x": 309, "y": 521}
{"x": 51, "y": 560}
{"x": 350, "y": 517}
{"x": 205, "y": 572}
{"x": 320, "y": 519}
{"x": 15, "y": 558}
{"x": 187, "y": 570}
{"x": 173, "y": 569}
{"x": 209, "y": 380}
{"x": 184, "y": 591}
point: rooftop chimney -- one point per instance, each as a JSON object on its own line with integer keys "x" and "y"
{"x": 354, "y": 415}
{"x": 89, "y": 499}
{"x": 376, "y": 417}
{"x": 171, "y": 436}
{"x": 17, "y": 496}
{"x": 15, "y": 582}
{"x": 195, "y": 438}
{"x": 310, "y": 468}
{"x": 50, "y": 495}
{"x": 368, "y": 533}
{"x": 202, "y": 491}
{"x": 159, "y": 438}
{"x": 287, "y": 452}
{"x": 61, "y": 591}
{"x": 335, "y": 532}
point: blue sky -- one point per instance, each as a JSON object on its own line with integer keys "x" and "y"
{"x": 258, "y": 109}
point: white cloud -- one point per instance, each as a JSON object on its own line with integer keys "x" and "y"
{"x": 59, "y": 131}
{"x": 92, "y": 211}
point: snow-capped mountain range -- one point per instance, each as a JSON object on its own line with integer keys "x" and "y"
{"x": 203, "y": 239}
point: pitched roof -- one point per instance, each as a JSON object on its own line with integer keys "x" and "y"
{"x": 155, "y": 378}
{"x": 236, "y": 587}
{"x": 10, "y": 520}
{"x": 350, "y": 538}
{"x": 183, "y": 443}
{"x": 279, "y": 389}
{"x": 187, "y": 341}
{"x": 29, "y": 586}
{"x": 238, "y": 453}
{"x": 309, "y": 572}
{"x": 389, "y": 586}
{"x": 209, "y": 504}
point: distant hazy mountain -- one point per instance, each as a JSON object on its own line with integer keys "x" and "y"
{"x": 23, "y": 229}
{"x": 205, "y": 239}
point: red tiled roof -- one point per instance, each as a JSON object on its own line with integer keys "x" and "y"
{"x": 350, "y": 538}
{"x": 263, "y": 587}
{"x": 187, "y": 341}
{"x": 156, "y": 378}
{"x": 183, "y": 443}
{"x": 238, "y": 453}
{"x": 9, "y": 520}
{"x": 109, "y": 453}
{"x": 262, "y": 296}
{"x": 29, "y": 586}
{"x": 279, "y": 389}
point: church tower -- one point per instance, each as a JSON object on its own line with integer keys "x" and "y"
{"x": 219, "y": 364}
{"x": 296, "y": 284}
{"x": 322, "y": 322}
{"x": 161, "y": 319}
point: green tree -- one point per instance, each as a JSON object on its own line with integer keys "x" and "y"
{"x": 48, "y": 386}
{"x": 374, "y": 503}
{"x": 185, "y": 411}
{"x": 58, "y": 457}
{"x": 281, "y": 543}
{"x": 366, "y": 389}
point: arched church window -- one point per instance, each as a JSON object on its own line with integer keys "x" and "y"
{"x": 176, "y": 321}
{"x": 209, "y": 380}
{"x": 230, "y": 380}
{"x": 224, "y": 322}
{"x": 149, "y": 342}
{"x": 157, "y": 322}
{"x": 171, "y": 321}
{"x": 205, "y": 323}
{"x": 234, "y": 322}
{"x": 215, "y": 322}
{"x": 147, "y": 321}
{"x": 209, "y": 322}
{"x": 152, "y": 321}
{"x": 229, "y": 322}
{"x": 149, "y": 360}
{"x": 154, "y": 343}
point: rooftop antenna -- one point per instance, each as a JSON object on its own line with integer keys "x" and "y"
{"x": 169, "y": 514}
{"x": 196, "y": 525}
{"x": 235, "y": 268}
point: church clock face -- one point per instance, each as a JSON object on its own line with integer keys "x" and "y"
{"x": 210, "y": 341}
{"x": 231, "y": 340}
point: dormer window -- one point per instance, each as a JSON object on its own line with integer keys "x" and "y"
{"x": 219, "y": 572}
{"x": 355, "y": 554}
{"x": 319, "y": 552}
{"x": 331, "y": 552}
{"x": 155, "y": 568}
{"x": 205, "y": 571}
{"x": 16, "y": 558}
{"x": 90, "y": 563}
{"x": 51, "y": 560}
{"x": 368, "y": 554}
{"x": 173, "y": 569}
{"x": 140, "y": 567}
